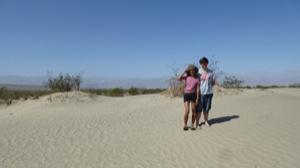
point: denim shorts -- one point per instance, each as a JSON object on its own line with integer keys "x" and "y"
{"x": 189, "y": 97}
{"x": 204, "y": 104}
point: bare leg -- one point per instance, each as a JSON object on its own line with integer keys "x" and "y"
{"x": 186, "y": 112}
{"x": 198, "y": 115}
{"x": 193, "y": 115}
{"x": 206, "y": 118}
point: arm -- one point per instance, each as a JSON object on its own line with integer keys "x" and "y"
{"x": 180, "y": 77}
{"x": 197, "y": 93}
{"x": 213, "y": 82}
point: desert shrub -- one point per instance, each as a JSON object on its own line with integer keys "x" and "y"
{"x": 134, "y": 91}
{"x": 152, "y": 91}
{"x": 115, "y": 92}
{"x": 296, "y": 85}
{"x": 7, "y": 96}
{"x": 245, "y": 87}
{"x": 77, "y": 81}
{"x": 214, "y": 66}
{"x": 121, "y": 92}
{"x": 261, "y": 87}
{"x": 63, "y": 83}
{"x": 95, "y": 91}
{"x": 175, "y": 87}
{"x": 139, "y": 91}
{"x": 232, "y": 82}
{"x": 4, "y": 93}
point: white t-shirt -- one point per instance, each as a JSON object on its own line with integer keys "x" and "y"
{"x": 206, "y": 79}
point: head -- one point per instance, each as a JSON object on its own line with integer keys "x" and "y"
{"x": 203, "y": 62}
{"x": 192, "y": 70}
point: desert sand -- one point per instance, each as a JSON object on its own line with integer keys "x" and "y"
{"x": 249, "y": 129}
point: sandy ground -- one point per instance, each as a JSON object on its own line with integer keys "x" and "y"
{"x": 249, "y": 129}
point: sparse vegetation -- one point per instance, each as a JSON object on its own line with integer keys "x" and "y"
{"x": 152, "y": 91}
{"x": 7, "y": 96}
{"x": 263, "y": 87}
{"x": 77, "y": 80}
{"x": 296, "y": 85}
{"x": 63, "y": 83}
{"x": 134, "y": 91}
{"x": 4, "y": 96}
{"x": 214, "y": 66}
{"x": 232, "y": 82}
{"x": 116, "y": 92}
{"x": 119, "y": 92}
{"x": 175, "y": 87}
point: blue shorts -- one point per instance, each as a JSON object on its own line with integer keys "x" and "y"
{"x": 189, "y": 97}
{"x": 204, "y": 104}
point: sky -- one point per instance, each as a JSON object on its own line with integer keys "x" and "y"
{"x": 147, "y": 38}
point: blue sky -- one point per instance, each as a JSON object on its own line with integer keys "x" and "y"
{"x": 142, "y": 38}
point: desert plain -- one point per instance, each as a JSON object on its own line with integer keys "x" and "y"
{"x": 250, "y": 128}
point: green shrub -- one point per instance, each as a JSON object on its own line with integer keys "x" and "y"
{"x": 121, "y": 92}
{"x": 296, "y": 85}
{"x": 63, "y": 83}
{"x": 116, "y": 92}
{"x": 7, "y": 96}
{"x": 152, "y": 91}
{"x": 134, "y": 91}
{"x": 4, "y": 93}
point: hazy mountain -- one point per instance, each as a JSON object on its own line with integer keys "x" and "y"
{"x": 90, "y": 82}
{"x": 269, "y": 78}
{"x": 22, "y": 80}
{"x": 251, "y": 79}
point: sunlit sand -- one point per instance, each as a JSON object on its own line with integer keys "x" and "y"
{"x": 249, "y": 128}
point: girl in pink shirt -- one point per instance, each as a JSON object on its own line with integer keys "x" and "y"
{"x": 191, "y": 94}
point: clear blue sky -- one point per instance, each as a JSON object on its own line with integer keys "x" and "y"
{"x": 141, "y": 38}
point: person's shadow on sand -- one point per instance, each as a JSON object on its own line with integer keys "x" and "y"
{"x": 221, "y": 120}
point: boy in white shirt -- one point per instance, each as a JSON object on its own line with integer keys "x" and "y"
{"x": 207, "y": 81}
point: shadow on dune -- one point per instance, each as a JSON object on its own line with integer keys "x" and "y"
{"x": 221, "y": 119}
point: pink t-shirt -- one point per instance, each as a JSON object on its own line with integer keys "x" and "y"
{"x": 190, "y": 84}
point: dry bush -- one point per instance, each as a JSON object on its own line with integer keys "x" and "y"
{"x": 175, "y": 87}
{"x": 232, "y": 82}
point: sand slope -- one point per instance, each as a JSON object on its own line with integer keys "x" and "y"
{"x": 251, "y": 129}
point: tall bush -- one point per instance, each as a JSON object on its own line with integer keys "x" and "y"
{"x": 176, "y": 87}
{"x": 63, "y": 83}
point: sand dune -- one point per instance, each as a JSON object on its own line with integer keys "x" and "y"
{"x": 251, "y": 128}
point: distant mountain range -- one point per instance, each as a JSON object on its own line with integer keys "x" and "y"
{"x": 269, "y": 78}
{"x": 89, "y": 82}
{"x": 251, "y": 79}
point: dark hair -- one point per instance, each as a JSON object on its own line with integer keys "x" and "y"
{"x": 203, "y": 60}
